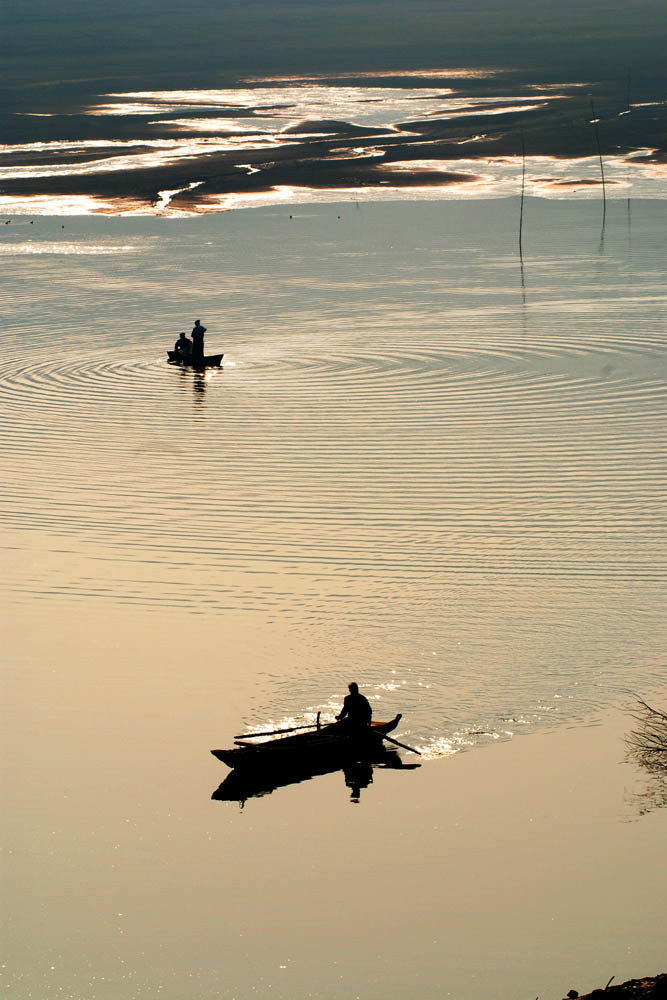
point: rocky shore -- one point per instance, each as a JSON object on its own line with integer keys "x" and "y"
{"x": 653, "y": 987}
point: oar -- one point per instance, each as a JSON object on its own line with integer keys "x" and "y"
{"x": 273, "y": 732}
{"x": 277, "y": 732}
{"x": 404, "y": 746}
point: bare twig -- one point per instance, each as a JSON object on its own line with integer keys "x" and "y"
{"x": 647, "y": 744}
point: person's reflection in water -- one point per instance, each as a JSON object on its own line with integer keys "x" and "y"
{"x": 199, "y": 386}
{"x": 357, "y": 776}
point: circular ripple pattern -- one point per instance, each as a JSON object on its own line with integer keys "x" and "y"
{"x": 321, "y": 451}
{"x": 426, "y": 476}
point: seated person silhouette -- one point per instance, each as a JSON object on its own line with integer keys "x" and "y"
{"x": 183, "y": 346}
{"x": 356, "y": 709}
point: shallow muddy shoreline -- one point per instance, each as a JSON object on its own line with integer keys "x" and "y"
{"x": 205, "y": 151}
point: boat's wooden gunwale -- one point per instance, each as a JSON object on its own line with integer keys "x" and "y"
{"x": 208, "y": 361}
{"x": 331, "y": 731}
{"x": 333, "y": 740}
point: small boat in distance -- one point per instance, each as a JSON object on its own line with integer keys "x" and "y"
{"x": 190, "y": 352}
{"x": 337, "y": 741}
{"x": 187, "y": 360}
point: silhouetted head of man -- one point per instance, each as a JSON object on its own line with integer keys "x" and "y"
{"x": 353, "y": 688}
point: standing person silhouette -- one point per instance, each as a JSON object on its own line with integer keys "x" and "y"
{"x": 356, "y": 708}
{"x": 198, "y": 332}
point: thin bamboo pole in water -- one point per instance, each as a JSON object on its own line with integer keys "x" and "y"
{"x": 594, "y": 123}
{"x": 523, "y": 188}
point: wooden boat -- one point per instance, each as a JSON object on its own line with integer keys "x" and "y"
{"x": 247, "y": 783}
{"x": 208, "y": 361}
{"x": 337, "y": 741}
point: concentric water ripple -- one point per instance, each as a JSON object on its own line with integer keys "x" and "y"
{"x": 376, "y": 463}
{"x": 411, "y": 407}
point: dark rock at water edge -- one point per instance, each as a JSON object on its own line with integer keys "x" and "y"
{"x": 653, "y": 987}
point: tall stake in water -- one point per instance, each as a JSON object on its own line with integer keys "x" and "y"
{"x": 628, "y": 109}
{"x": 523, "y": 188}
{"x": 594, "y": 123}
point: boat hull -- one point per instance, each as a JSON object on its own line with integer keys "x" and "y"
{"x": 334, "y": 743}
{"x": 247, "y": 783}
{"x": 208, "y": 361}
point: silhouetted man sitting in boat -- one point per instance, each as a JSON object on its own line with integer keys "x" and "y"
{"x": 198, "y": 332}
{"x": 183, "y": 346}
{"x": 356, "y": 709}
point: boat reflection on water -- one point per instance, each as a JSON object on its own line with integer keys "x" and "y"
{"x": 242, "y": 784}
{"x": 199, "y": 385}
{"x": 196, "y": 380}
{"x": 193, "y": 379}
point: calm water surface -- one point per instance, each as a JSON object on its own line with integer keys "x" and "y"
{"x": 422, "y": 467}
{"x": 433, "y": 471}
